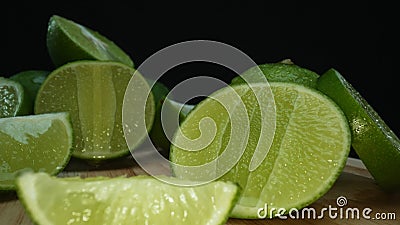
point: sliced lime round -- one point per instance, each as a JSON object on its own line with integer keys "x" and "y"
{"x": 372, "y": 139}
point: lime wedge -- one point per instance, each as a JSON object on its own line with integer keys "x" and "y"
{"x": 12, "y": 98}
{"x": 69, "y": 41}
{"x": 284, "y": 71}
{"x": 309, "y": 149}
{"x": 31, "y": 80}
{"x": 38, "y": 142}
{"x": 93, "y": 93}
{"x": 372, "y": 139}
{"x": 121, "y": 200}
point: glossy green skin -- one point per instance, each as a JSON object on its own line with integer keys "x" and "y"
{"x": 375, "y": 143}
{"x": 66, "y": 43}
{"x": 31, "y": 80}
{"x": 282, "y": 72}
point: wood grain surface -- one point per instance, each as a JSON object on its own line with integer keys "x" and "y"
{"x": 355, "y": 184}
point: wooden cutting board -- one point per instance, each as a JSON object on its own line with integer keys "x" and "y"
{"x": 355, "y": 185}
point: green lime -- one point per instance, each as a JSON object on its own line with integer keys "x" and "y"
{"x": 284, "y": 71}
{"x": 123, "y": 200}
{"x": 31, "y": 80}
{"x": 69, "y": 41}
{"x": 37, "y": 142}
{"x": 372, "y": 139}
{"x": 93, "y": 92}
{"x": 161, "y": 134}
{"x": 13, "y": 100}
{"x": 309, "y": 149}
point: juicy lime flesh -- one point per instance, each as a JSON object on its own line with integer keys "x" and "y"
{"x": 93, "y": 93}
{"x": 41, "y": 143}
{"x": 375, "y": 143}
{"x": 88, "y": 44}
{"x": 282, "y": 72}
{"x": 309, "y": 150}
{"x": 134, "y": 200}
{"x": 8, "y": 101}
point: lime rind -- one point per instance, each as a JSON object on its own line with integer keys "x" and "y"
{"x": 372, "y": 139}
{"x": 151, "y": 201}
{"x": 281, "y": 72}
{"x": 69, "y": 41}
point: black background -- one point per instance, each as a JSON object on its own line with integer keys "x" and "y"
{"x": 356, "y": 38}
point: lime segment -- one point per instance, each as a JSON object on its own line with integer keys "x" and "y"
{"x": 309, "y": 149}
{"x": 38, "y": 142}
{"x": 133, "y": 200}
{"x": 372, "y": 139}
{"x": 93, "y": 93}
{"x": 69, "y": 41}
{"x": 12, "y": 98}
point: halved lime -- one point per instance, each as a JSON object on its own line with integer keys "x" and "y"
{"x": 309, "y": 149}
{"x": 38, "y": 142}
{"x": 122, "y": 200}
{"x": 69, "y": 41}
{"x": 372, "y": 139}
{"x": 93, "y": 93}
{"x": 12, "y": 98}
{"x": 31, "y": 80}
{"x": 284, "y": 71}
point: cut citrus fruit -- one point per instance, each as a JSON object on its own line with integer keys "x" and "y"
{"x": 372, "y": 139}
{"x": 123, "y": 200}
{"x": 12, "y": 98}
{"x": 166, "y": 108}
{"x": 93, "y": 93}
{"x": 309, "y": 150}
{"x": 38, "y": 142}
{"x": 284, "y": 71}
{"x": 31, "y": 80}
{"x": 69, "y": 41}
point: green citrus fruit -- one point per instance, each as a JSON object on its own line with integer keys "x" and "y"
{"x": 69, "y": 41}
{"x": 372, "y": 139}
{"x": 93, "y": 92}
{"x": 284, "y": 71}
{"x": 31, "y": 80}
{"x": 13, "y": 100}
{"x": 37, "y": 142}
{"x": 122, "y": 200}
{"x": 309, "y": 149}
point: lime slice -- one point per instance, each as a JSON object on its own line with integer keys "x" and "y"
{"x": 69, "y": 41}
{"x": 309, "y": 149}
{"x": 31, "y": 80}
{"x": 93, "y": 93}
{"x": 284, "y": 71}
{"x": 373, "y": 141}
{"x": 12, "y": 98}
{"x": 121, "y": 200}
{"x": 39, "y": 142}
